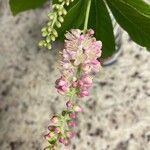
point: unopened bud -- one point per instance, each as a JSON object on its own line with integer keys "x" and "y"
{"x": 67, "y": 3}
{"x": 77, "y": 109}
{"x": 51, "y": 16}
{"x": 48, "y": 39}
{"x": 71, "y": 135}
{"x": 55, "y": 33}
{"x": 57, "y": 6}
{"x": 41, "y": 43}
{"x": 73, "y": 115}
{"x": 64, "y": 11}
{"x": 55, "y": 119}
{"x": 44, "y": 34}
{"x": 69, "y": 104}
{"x": 58, "y": 24}
{"x": 49, "y": 46}
{"x": 72, "y": 124}
{"x": 49, "y": 29}
{"x": 60, "y": 12}
{"x": 43, "y": 29}
{"x": 61, "y": 19}
{"x": 53, "y": 38}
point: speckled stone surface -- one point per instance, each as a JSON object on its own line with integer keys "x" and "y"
{"x": 116, "y": 115}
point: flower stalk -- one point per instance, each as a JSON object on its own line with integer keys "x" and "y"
{"x": 87, "y": 15}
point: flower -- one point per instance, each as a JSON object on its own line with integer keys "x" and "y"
{"x": 79, "y": 61}
{"x": 78, "y": 65}
{"x": 62, "y": 85}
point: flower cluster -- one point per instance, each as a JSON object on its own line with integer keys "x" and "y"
{"x": 79, "y": 62}
{"x": 78, "y": 65}
{"x": 60, "y": 130}
{"x": 56, "y": 18}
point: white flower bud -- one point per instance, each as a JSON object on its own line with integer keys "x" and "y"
{"x": 58, "y": 24}
{"x": 61, "y": 19}
{"x": 49, "y": 29}
{"x": 60, "y": 12}
{"x": 41, "y": 43}
{"x": 49, "y": 23}
{"x": 49, "y": 46}
{"x": 64, "y": 11}
{"x": 57, "y": 6}
{"x": 44, "y": 34}
{"x": 55, "y": 33}
{"x": 51, "y": 16}
{"x": 48, "y": 39}
{"x": 53, "y": 38}
{"x": 67, "y": 3}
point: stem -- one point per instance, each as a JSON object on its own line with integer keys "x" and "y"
{"x": 87, "y": 15}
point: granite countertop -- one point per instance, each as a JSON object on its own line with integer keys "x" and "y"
{"x": 116, "y": 115}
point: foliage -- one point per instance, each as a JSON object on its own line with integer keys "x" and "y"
{"x": 132, "y": 15}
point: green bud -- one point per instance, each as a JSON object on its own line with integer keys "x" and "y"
{"x": 53, "y": 38}
{"x": 48, "y": 39}
{"x": 49, "y": 23}
{"x": 43, "y": 29}
{"x": 44, "y": 34}
{"x": 49, "y": 29}
{"x": 60, "y": 12}
{"x": 64, "y": 11}
{"x": 57, "y": 6}
{"x": 51, "y": 16}
{"x": 49, "y": 46}
{"x": 60, "y": 1}
{"x": 55, "y": 33}
{"x": 61, "y": 19}
{"x": 67, "y": 3}
{"x": 41, "y": 43}
{"x": 58, "y": 24}
{"x": 53, "y": 6}
{"x": 45, "y": 44}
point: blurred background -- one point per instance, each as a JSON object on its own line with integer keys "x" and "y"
{"x": 116, "y": 115}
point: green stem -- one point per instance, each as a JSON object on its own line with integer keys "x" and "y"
{"x": 87, "y": 15}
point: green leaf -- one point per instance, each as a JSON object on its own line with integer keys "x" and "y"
{"x": 74, "y": 18}
{"x": 18, "y": 6}
{"x": 100, "y": 21}
{"x": 134, "y": 17}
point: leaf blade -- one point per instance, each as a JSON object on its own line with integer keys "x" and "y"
{"x": 18, "y": 6}
{"x": 132, "y": 20}
{"x": 102, "y": 26}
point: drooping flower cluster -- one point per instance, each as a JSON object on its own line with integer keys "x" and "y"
{"x": 78, "y": 65}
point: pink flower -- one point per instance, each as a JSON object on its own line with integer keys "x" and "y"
{"x": 72, "y": 124}
{"x": 71, "y": 135}
{"x": 72, "y": 115}
{"x": 55, "y": 119}
{"x": 77, "y": 109}
{"x": 64, "y": 141}
{"x": 84, "y": 93}
{"x": 62, "y": 85}
{"x": 69, "y": 104}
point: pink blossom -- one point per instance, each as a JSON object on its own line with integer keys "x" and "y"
{"x": 77, "y": 109}
{"x": 62, "y": 85}
{"x": 54, "y": 119}
{"x": 70, "y": 135}
{"x": 72, "y": 115}
{"x": 72, "y": 124}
